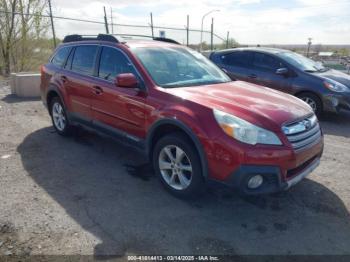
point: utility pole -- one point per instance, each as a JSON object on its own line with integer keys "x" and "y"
{"x": 52, "y": 25}
{"x": 112, "y": 21}
{"x": 212, "y": 34}
{"x": 106, "y": 22}
{"x": 152, "y": 25}
{"x": 308, "y": 46}
{"x": 227, "y": 38}
{"x": 188, "y": 29}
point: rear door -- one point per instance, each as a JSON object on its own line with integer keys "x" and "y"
{"x": 115, "y": 108}
{"x": 264, "y": 72}
{"x": 236, "y": 64}
{"x": 77, "y": 77}
{"x": 50, "y": 73}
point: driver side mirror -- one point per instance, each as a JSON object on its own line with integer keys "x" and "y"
{"x": 126, "y": 80}
{"x": 282, "y": 71}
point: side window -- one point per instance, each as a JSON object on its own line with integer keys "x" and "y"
{"x": 113, "y": 63}
{"x": 68, "y": 64}
{"x": 266, "y": 62}
{"x": 60, "y": 56}
{"x": 84, "y": 59}
{"x": 240, "y": 59}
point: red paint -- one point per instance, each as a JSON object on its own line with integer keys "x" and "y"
{"x": 134, "y": 111}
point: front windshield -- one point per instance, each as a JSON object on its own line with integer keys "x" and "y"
{"x": 179, "y": 67}
{"x": 302, "y": 62}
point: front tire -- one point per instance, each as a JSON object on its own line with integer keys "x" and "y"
{"x": 177, "y": 164}
{"x": 313, "y": 101}
{"x": 59, "y": 117}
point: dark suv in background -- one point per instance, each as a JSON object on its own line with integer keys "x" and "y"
{"x": 322, "y": 88}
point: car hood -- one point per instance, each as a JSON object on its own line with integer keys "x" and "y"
{"x": 335, "y": 75}
{"x": 259, "y": 105}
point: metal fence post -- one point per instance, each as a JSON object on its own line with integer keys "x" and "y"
{"x": 227, "y": 38}
{"x": 52, "y": 25}
{"x": 112, "y": 25}
{"x": 152, "y": 25}
{"x": 212, "y": 35}
{"x": 188, "y": 29}
{"x": 106, "y": 22}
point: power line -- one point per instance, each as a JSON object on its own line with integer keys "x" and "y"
{"x": 99, "y": 22}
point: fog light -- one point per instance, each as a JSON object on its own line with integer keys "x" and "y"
{"x": 255, "y": 181}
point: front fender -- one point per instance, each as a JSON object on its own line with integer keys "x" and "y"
{"x": 184, "y": 125}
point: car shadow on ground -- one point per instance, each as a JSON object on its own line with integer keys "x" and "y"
{"x": 111, "y": 192}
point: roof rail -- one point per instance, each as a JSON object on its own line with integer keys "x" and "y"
{"x": 168, "y": 40}
{"x": 163, "y": 39}
{"x": 100, "y": 37}
{"x": 111, "y": 38}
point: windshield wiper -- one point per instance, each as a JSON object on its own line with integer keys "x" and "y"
{"x": 324, "y": 69}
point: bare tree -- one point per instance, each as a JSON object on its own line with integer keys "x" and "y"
{"x": 7, "y": 28}
{"x": 19, "y": 32}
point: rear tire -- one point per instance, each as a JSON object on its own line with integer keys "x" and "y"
{"x": 313, "y": 101}
{"x": 59, "y": 117}
{"x": 177, "y": 164}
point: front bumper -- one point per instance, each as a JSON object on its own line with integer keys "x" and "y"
{"x": 273, "y": 178}
{"x": 335, "y": 102}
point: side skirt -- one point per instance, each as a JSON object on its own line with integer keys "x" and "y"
{"x": 102, "y": 129}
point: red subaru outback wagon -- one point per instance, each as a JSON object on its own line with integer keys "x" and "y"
{"x": 195, "y": 124}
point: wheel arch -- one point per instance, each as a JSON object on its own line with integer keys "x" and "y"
{"x": 164, "y": 126}
{"x": 297, "y": 94}
{"x": 52, "y": 92}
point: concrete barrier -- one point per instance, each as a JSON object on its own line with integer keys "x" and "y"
{"x": 25, "y": 84}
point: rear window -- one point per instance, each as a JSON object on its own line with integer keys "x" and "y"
{"x": 84, "y": 59}
{"x": 241, "y": 59}
{"x": 61, "y": 56}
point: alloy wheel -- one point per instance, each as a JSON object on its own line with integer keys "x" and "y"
{"x": 310, "y": 102}
{"x": 58, "y": 116}
{"x": 175, "y": 167}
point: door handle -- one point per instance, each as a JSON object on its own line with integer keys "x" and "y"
{"x": 97, "y": 90}
{"x": 64, "y": 79}
{"x": 252, "y": 76}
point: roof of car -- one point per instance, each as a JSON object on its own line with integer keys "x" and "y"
{"x": 256, "y": 49}
{"x": 128, "y": 40}
{"x": 146, "y": 43}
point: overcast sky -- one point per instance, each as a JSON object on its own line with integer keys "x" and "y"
{"x": 249, "y": 21}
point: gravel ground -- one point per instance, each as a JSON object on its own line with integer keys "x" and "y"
{"x": 90, "y": 195}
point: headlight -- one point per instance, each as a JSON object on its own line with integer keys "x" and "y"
{"x": 335, "y": 86}
{"x": 245, "y": 131}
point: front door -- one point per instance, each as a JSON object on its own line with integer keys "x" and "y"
{"x": 113, "y": 107}
{"x": 264, "y": 73}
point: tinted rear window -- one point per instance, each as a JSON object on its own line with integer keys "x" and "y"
{"x": 241, "y": 59}
{"x": 61, "y": 56}
{"x": 84, "y": 59}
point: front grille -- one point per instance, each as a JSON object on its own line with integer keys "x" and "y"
{"x": 303, "y": 133}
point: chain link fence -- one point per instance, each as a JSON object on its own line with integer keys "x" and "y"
{"x": 30, "y": 50}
